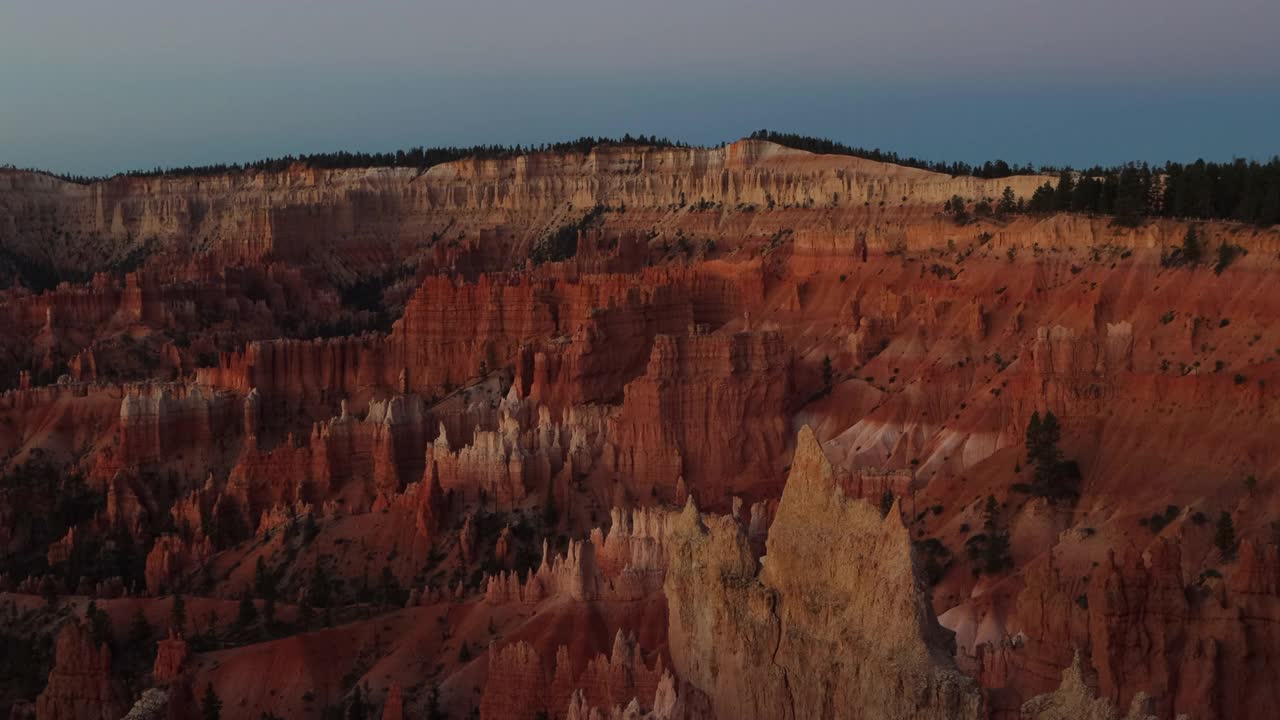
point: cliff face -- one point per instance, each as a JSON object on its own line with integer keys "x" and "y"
{"x": 711, "y": 410}
{"x": 351, "y": 219}
{"x": 1152, "y": 638}
{"x": 837, "y": 623}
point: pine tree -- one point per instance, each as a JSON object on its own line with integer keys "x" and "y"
{"x": 433, "y": 704}
{"x": 1063, "y": 193}
{"x": 389, "y": 590}
{"x": 263, "y": 583}
{"x": 886, "y": 503}
{"x": 1042, "y": 200}
{"x": 550, "y": 513}
{"x": 248, "y": 612}
{"x": 1048, "y": 453}
{"x": 99, "y": 623}
{"x": 1192, "y": 249}
{"x": 49, "y": 590}
{"x": 1033, "y": 436}
{"x": 309, "y": 529}
{"x": 1132, "y": 190}
{"x": 365, "y": 593}
{"x": 1226, "y": 255}
{"x": 210, "y": 704}
{"x": 356, "y": 709}
{"x": 319, "y": 592}
{"x": 1042, "y": 436}
{"x": 1054, "y": 476}
{"x": 991, "y": 515}
{"x": 1008, "y": 203}
{"x": 1224, "y": 536}
{"x": 178, "y": 613}
{"x": 994, "y": 556}
{"x": 139, "y": 631}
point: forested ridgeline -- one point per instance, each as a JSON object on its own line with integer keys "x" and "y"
{"x": 416, "y": 157}
{"x": 1241, "y": 190}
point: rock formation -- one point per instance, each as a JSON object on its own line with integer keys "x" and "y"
{"x": 836, "y": 622}
{"x": 81, "y": 686}
{"x": 1075, "y": 701}
{"x": 528, "y": 687}
{"x": 171, "y": 658}
{"x": 743, "y": 381}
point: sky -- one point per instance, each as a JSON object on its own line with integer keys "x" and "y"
{"x": 94, "y": 87}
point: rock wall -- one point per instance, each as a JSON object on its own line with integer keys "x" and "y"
{"x": 1187, "y": 646}
{"x": 835, "y": 624}
{"x": 710, "y": 409}
{"x": 348, "y": 218}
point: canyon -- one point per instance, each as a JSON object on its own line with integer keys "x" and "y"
{"x": 640, "y": 432}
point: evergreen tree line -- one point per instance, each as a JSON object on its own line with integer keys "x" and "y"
{"x": 1246, "y": 191}
{"x": 420, "y": 157}
{"x": 990, "y": 170}
{"x": 1242, "y": 190}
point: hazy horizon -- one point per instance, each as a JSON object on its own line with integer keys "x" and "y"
{"x": 88, "y": 88}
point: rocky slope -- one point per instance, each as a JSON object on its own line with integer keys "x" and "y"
{"x": 333, "y": 441}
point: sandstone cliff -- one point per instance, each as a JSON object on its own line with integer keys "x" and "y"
{"x": 836, "y": 623}
{"x": 349, "y": 219}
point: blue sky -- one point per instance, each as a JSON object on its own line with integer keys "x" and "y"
{"x": 96, "y": 87}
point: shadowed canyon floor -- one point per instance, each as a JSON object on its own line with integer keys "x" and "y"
{"x": 659, "y": 433}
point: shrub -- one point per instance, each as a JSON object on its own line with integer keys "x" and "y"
{"x": 990, "y": 549}
{"x": 1227, "y": 254}
{"x": 562, "y": 244}
{"x": 886, "y": 503}
{"x": 1158, "y": 521}
{"x": 1191, "y": 252}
